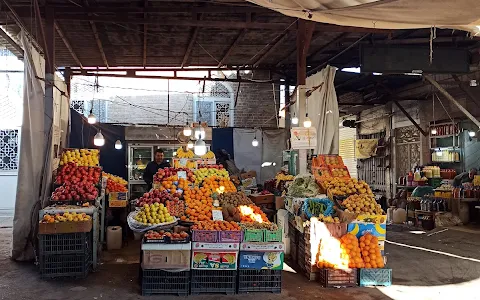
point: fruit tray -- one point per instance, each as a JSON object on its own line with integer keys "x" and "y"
{"x": 253, "y": 235}
{"x": 154, "y": 241}
{"x": 375, "y": 277}
{"x": 337, "y": 278}
{"x": 208, "y": 236}
{"x": 177, "y": 241}
{"x": 273, "y": 236}
{"x": 230, "y": 236}
{"x": 65, "y": 227}
{"x": 339, "y": 171}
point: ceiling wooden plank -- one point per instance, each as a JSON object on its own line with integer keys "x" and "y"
{"x": 193, "y": 40}
{"x": 336, "y": 40}
{"x": 232, "y": 47}
{"x": 97, "y": 38}
{"x": 274, "y": 44}
{"x": 145, "y": 32}
{"x": 68, "y": 45}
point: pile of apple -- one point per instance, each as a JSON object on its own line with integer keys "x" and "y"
{"x": 78, "y": 174}
{"x": 169, "y": 172}
{"x": 78, "y": 192}
{"x": 156, "y": 196}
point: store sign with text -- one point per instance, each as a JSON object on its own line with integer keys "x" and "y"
{"x": 303, "y": 138}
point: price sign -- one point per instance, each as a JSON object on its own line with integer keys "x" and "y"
{"x": 183, "y": 162}
{"x": 217, "y": 215}
{"x": 182, "y": 174}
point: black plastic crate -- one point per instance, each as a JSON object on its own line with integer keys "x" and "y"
{"x": 259, "y": 281}
{"x": 65, "y": 243}
{"x": 337, "y": 278}
{"x": 165, "y": 282}
{"x": 213, "y": 281}
{"x": 65, "y": 265}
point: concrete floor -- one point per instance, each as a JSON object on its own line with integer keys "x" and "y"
{"x": 440, "y": 266}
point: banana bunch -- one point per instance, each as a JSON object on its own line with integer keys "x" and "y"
{"x": 183, "y": 154}
{"x": 208, "y": 155}
{"x": 114, "y": 178}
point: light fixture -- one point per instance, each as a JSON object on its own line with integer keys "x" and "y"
{"x": 255, "y": 141}
{"x": 187, "y": 131}
{"x": 246, "y": 71}
{"x": 294, "y": 119}
{"x": 439, "y": 152}
{"x": 190, "y": 145}
{"x": 200, "y": 148}
{"x": 199, "y": 132}
{"x": 266, "y": 164}
{"x": 98, "y": 139}
{"x": 91, "y": 117}
{"x": 118, "y": 145}
{"x": 307, "y": 123}
{"x": 471, "y": 133}
{"x": 434, "y": 131}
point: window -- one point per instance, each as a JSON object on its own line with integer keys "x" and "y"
{"x": 215, "y": 105}
{"x": 9, "y": 142}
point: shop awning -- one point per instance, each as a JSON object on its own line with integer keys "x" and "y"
{"x": 384, "y": 14}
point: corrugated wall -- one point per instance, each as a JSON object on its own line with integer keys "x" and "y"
{"x": 374, "y": 170}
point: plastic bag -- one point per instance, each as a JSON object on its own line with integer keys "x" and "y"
{"x": 140, "y": 228}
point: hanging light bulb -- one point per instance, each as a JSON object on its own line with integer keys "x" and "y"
{"x": 91, "y": 117}
{"x": 439, "y": 152}
{"x": 294, "y": 119}
{"x": 199, "y": 132}
{"x": 200, "y": 148}
{"x": 118, "y": 145}
{"x": 98, "y": 139}
{"x": 307, "y": 123}
{"x": 187, "y": 131}
{"x": 471, "y": 133}
{"x": 190, "y": 145}
{"x": 434, "y": 131}
{"x": 255, "y": 142}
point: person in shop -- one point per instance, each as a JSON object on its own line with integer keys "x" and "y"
{"x": 152, "y": 167}
{"x": 465, "y": 177}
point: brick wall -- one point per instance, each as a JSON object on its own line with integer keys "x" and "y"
{"x": 150, "y": 109}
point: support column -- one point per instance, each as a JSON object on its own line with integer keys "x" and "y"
{"x": 304, "y": 36}
{"x": 49, "y": 68}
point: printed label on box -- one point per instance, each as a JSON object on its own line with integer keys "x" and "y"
{"x": 261, "y": 260}
{"x": 214, "y": 260}
{"x": 215, "y": 246}
{"x": 379, "y": 230}
{"x": 256, "y": 246}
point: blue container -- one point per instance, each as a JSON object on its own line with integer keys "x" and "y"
{"x": 375, "y": 277}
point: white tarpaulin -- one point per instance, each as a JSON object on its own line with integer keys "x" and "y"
{"x": 274, "y": 142}
{"x": 247, "y": 157}
{"x": 387, "y": 14}
{"x": 31, "y": 157}
{"x": 323, "y": 110}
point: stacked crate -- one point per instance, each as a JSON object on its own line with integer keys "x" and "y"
{"x": 214, "y": 261}
{"x": 165, "y": 267}
{"x": 261, "y": 263}
{"x": 65, "y": 254}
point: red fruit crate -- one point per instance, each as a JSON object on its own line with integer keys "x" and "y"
{"x": 337, "y": 278}
{"x": 207, "y": 236}
{"x": 230, "y": 236}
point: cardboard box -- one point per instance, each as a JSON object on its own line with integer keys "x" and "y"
{"x": 215, "y": 246}
{"x": 262, "y": 247}
{"x": 261, "y": 260}
{"x": 361, "y": 228}
{"x": 117, "y": 203}
{"x": 262, "y": 199}
{"x": 249, "y": 179}
{"x": 214, "y": 260}
{"x": 65, "y": 227}
{"x": 166, "y": 259}
{"x": 279, "y": 203}
{"x": 118, "y": 196}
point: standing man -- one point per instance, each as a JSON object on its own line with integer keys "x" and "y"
{"x": 465, "y": 177}
{"x": 153, "y": 166}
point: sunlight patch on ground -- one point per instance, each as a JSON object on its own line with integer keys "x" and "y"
{"x": 287, "y": 268}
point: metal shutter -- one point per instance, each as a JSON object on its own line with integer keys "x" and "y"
{"x": 347, "y": 149}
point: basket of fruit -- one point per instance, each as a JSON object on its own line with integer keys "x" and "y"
{"x": 313, "y": 207}
{"x": 151, "y": 216}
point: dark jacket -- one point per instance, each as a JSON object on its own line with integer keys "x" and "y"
{"x": 461, "y": 178}
{"x": 151, "y": 169}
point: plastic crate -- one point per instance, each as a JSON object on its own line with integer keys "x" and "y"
{"x": 65, "y": 265}
{"x": 65, "y": 243}
{"x": 213, "y": 281}
{"x": 259, "y": 281}
{"x": 207, "y": 236}
{"x": 337, "y": 278}
{"x": 230, "y": 236}
{"x": 165, "y": 282}
{"x": 375, "y": 277}
{"x": 273, "y": 236}
{"x": 253, "y": 235}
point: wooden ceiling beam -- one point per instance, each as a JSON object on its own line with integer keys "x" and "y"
{"x": 145, "y": 30}
{"x": 68, "y": 45}
{"x": 274, "y": 44}
{"x": 97, "y": 37}
{"x": 336, "y": 40}
{"x": 193, "y": 40}
{"x": 232, "y": 46}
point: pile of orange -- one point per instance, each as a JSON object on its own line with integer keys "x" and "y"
{"x": 218, "y": 185}
{"x": 252, "y": 213}
{"x": 371, "y": 252}
{"x": 216, "y": 225}
{"x": 351, "y": 251}
{"x": 199, "y": 204}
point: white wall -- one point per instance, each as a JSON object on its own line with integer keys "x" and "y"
{"x": 8, "y": 186}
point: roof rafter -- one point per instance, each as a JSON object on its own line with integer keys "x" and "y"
{"x": 97, "y": 37}
{"x": 232, "y": 47}
{"x": 193, "y": 40}
{"x": 67, "y": 44}
{"x": 145, "y": 29}
{"x": 274, "y": 44}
